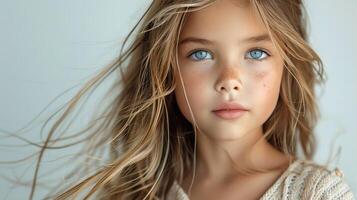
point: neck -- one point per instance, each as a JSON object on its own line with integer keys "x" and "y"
{"x": 219, "y": 160}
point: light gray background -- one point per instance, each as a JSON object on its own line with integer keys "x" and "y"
{"x": 49, "y": 46}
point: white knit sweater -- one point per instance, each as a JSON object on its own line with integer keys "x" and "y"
{"x": 303, "y": 179}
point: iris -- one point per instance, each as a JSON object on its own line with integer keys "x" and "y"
{"x": 200, "y": 55}
{"x": 256, "y": 54}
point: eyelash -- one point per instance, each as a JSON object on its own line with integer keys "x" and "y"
{"x": 253, "y": 49}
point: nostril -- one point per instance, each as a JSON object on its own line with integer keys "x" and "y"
{"x": 224, "y": 88}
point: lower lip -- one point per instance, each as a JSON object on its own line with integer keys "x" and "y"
{"x": 229, "y": 114}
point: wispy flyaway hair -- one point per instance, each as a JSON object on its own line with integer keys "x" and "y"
{"x": 150, "y": 142}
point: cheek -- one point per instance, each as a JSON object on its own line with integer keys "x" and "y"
{"x": 268, "y": 88}
{"x": 193, "y": 86}
{"x": 268, "y": 82}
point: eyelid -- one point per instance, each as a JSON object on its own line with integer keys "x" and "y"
{"x": 199, "y": 49}
{"x": 260, "y": 49}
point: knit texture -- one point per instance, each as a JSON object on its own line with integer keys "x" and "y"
{"x": 303, "y": 179}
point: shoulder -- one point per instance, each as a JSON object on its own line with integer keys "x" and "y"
{"x": 310, "y": 180}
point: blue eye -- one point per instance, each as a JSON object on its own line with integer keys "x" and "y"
{"x": 256, "y": 54}
{"x": 200, "y": 55}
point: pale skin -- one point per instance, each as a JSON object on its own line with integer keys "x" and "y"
{"x": 219, "y": 63}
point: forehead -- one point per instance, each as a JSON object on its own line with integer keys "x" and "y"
{"x": 228, "y": 19}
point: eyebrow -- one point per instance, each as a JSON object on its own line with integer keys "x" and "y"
{"x": 253, "y": 39}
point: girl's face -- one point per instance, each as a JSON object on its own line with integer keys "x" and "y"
{"x": 225, "y": 55}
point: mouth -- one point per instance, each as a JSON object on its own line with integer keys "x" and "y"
{"x": 229, "y": 113}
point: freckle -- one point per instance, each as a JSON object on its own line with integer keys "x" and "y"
{"x": 261, "y": 75}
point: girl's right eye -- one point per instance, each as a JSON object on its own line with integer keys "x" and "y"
{"x": 200, "y": 55}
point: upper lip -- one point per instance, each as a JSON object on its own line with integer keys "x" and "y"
{"x": 230, "y": 106}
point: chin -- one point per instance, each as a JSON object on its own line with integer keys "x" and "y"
{"x": 226, "y": 136}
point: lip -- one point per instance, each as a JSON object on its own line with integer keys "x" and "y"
{"x": 230, "y": 110}
{"x": 230, "y": 106}
{"x": 229, "y": 114}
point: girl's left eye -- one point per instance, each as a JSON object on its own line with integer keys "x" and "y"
{"x": 257, "y": 54}
{"x": 200, "y": 55}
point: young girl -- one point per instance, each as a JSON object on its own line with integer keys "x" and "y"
{"x": 213, "y": 101}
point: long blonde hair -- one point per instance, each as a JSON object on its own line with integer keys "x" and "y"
{"x": 150, "y": 142}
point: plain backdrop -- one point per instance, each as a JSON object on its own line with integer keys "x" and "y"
{"x": 46, "y": 47}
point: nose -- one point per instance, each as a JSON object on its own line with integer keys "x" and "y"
{"x": 228, "y": 81}
{"x": 228, "y": 86}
